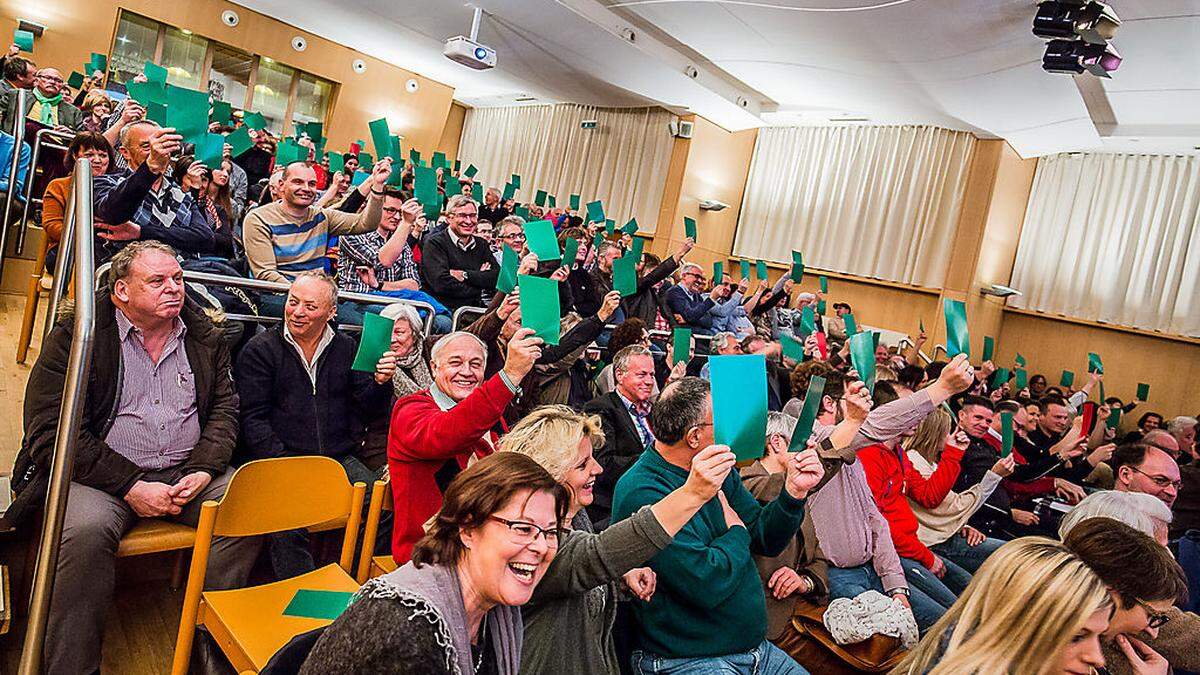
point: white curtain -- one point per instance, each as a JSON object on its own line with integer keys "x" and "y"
{"x": 1114, "y": 238}
{"x": 879, "y": 202}
{"x": 622, "y": 161}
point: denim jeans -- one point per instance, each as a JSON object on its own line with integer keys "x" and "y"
{"x": 765, "y": 659}
{"x": 850, "y": 582}
{"x": 930, "y": 596}
{"x": 956, "y": 550}
{"x": 289, "y": 550}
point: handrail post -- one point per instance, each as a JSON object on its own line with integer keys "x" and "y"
{"x": 70, "y": 416}
{"x": 62, "y": 264}
{"x": 18, "y": 132}
{"x": 23, "y": 227}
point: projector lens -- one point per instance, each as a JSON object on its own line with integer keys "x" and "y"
{"x": 480, "y": 53}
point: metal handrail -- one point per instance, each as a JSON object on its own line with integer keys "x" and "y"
{"x": 905, "y": 341}
{"x": 458, "y": 314}
{"x": 18, "y": 132}
{"x": 937, "y": 348}
{"x": 66, "y": 136}
{"x": 280, "y": 287}
{"x": 70, "y": 416}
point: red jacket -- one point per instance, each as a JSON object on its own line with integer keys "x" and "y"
{"x": 422, "y": 438}
{"x": 1018, "y": 491}
{"x": 892, "y": 478}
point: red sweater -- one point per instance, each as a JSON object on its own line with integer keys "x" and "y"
{"x": 421, "y": 440}
{"x": 892, "y": 478}
{"x": 1018, "y": 491}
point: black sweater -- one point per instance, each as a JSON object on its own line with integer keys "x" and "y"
{"x": 440, "y": 254}
{"x": 284, "y": 413}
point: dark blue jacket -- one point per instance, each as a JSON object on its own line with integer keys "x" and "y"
{"x": 693, "y": 310}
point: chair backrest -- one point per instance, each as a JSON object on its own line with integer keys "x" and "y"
{"x": 285, "y": 493}
{"x": 381, "y": 500}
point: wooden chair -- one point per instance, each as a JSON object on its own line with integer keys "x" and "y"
{"x": 266, "y": 496}
{"x": 33, "y": 295}
{"x": 369, "y": 564}
{"x": 153, "y": 535}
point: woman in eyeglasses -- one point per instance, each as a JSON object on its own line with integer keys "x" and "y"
{"x": 569, "y": 620}
{"x": 454, "y": 607}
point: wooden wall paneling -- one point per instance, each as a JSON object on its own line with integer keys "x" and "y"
{"x": 452, "y": 132}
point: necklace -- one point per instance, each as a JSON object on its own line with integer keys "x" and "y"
{"x": 482, "y": 643}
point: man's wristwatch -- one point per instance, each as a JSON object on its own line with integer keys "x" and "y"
{"x": 898, "y": 591}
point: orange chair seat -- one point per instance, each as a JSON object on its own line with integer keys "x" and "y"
{"x": 249, "y": 623}
{"x": 152, "y": 535}
{"x": 382, "y": 564}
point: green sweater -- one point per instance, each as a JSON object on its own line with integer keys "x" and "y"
{"x": 709, "y": 600}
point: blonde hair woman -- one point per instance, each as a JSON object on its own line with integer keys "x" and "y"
{"x": 944, "y": 521}
{"x": 1033, "y": 608}
{"x": 568, "y": 622}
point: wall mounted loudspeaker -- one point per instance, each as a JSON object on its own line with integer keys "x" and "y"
{"x": 230, "y": 18}
{"x": 359, "y": 66}
{"x": 299, "y": 43}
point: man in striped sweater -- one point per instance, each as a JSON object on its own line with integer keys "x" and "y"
{"x": 291, "y": 235}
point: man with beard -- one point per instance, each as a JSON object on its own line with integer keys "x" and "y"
{"x": 291, "y": 236}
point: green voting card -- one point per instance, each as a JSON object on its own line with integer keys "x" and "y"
{"x": 631, "y": 227}
{"x": 337, "y": 163}
{"x": 958, "y": 341}
{"x": 471, "y": 171}
{"x": 610, "y": 227}
{"x": 808, "y": 414}
{"x": 539, "y": 236}
{"x": 625, "y": 275}
{"x": 1114, "y": 419}
{"x": 510, "y": 191}
{"x": 1022, "y": 379}
{"x": 1067, "y": 379}
{"x": 570, "y": 251}
{"x": 75, "y": 81}
{"x": 222, "y": 112}
{"x": 574, "y": 201}
{"x": 739, "y": 402}
{"x": 239, "y": 141}
{"x": 745, "y": 265}
{"x": 760, "y": 270}
{"x": 507, "y": 279}
{"x": 381, "y": 136}
{"x": 551, "y": 201}
{"x": 862, "y": 357}
{"x": 681, "y": 344}
{"x": 23, "y": 39}
{"x": 999, "y": 378}
{"x": 210, "y": 150}
{"x": 516, "y": 181}
{"x": 539, "y": 198}
{"x": 689, "y": 228}
{"x": 154, "y": 72}
{"x": 540, "y": 306}
{"x": 595, "y": 212}
{"x": 254, "y": 120}
{"x": 792, "y": 348}
{"x": 1020, "y": 360}
{"x": 824, "y": 281}
{"x": 798, "y": 267}
{"x": 808, "y": 321}
{"x": 989, "y": 347}
{"x": 1095, "y": 365}
{"x": 1006, "y": 434}
{"x": 718, "y": 272}
{"x": 1143, "y": 392}
{"x": 98, "y": 63}
{"x": 187, "y": 112}
{"x": 376, "y": 339}
{"x": 310, "y": 604}
{"x": 851, "y": 325}
{"x": 438, "y": 161}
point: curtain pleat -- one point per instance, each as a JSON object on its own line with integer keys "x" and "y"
{"x": 622, "y": 162}
{"x": 1114, "y": 238}
{"x": 879, "y": 202}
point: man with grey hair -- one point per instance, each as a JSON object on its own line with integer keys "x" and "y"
{"x": 1182, "y": 432}
{"x": 143, "y": 202}
{"x": 158, "y": 428}
{"x": 1183, "y": 428}
{"x": 1142, "y": 512}
{"x": 299, "y": 396}
{"x": 437, "y": 432}
{"x": 688, "y": 301}
{"x": 457, "y": 266}
{"x": 624, "y": 416}
{"x": 709, "y": 612}
{"x": 722, "y": 344}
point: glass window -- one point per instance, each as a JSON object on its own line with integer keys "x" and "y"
{"x": 312, "y": 99}
{"x": 183, "y": 57}
{"x": 272, "y": 88}
{"x": 230, "y": 75}
{"x": 134, "y": 45}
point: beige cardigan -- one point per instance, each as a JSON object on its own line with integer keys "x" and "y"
{"x": 946, "y": 519}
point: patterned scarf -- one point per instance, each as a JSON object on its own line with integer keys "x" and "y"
{"x": 412, "y": 371}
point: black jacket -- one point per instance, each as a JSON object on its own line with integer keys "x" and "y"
{"x": 96, "y": 464}
{"x": 283, "y": 413}
{"x": 977, "y": 460}
{"x": 439, "y": 255}
{"x": 622, "y": 446}
{"x": 644, "y": 303}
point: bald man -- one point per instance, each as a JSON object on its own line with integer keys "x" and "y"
{"x": 45, "y": 104}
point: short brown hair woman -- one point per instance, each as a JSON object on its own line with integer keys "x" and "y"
{"x": 452, "y": 608}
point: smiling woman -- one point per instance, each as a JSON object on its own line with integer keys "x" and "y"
{"x": 454, "y": 607}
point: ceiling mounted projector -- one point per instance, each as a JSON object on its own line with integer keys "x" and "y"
{"x": 1077, "y": 56}
{"x": 1095, "y": 22}
{"x": 467, "y": 50}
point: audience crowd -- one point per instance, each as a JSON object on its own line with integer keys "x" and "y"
{"x": 564, "y": 506}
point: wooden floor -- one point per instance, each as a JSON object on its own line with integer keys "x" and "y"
{"x": 142, "y": 623}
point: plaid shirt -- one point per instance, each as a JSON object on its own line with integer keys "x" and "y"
{"x": 362, "y": 250}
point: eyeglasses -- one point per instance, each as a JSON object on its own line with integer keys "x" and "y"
{"x": 526, "y": 533}
{"x": 391, "y": 210}
{"x": 1156, "y": 620}
{"x": 55, "y": 80}
{"x": 1160, "y": 481}
{"x": 520, "y": 236}
{"x": 465, "y": 215}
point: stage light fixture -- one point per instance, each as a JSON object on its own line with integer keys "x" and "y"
{"x": 1077, "y": 56}
{"x": 1094, "y": 22}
